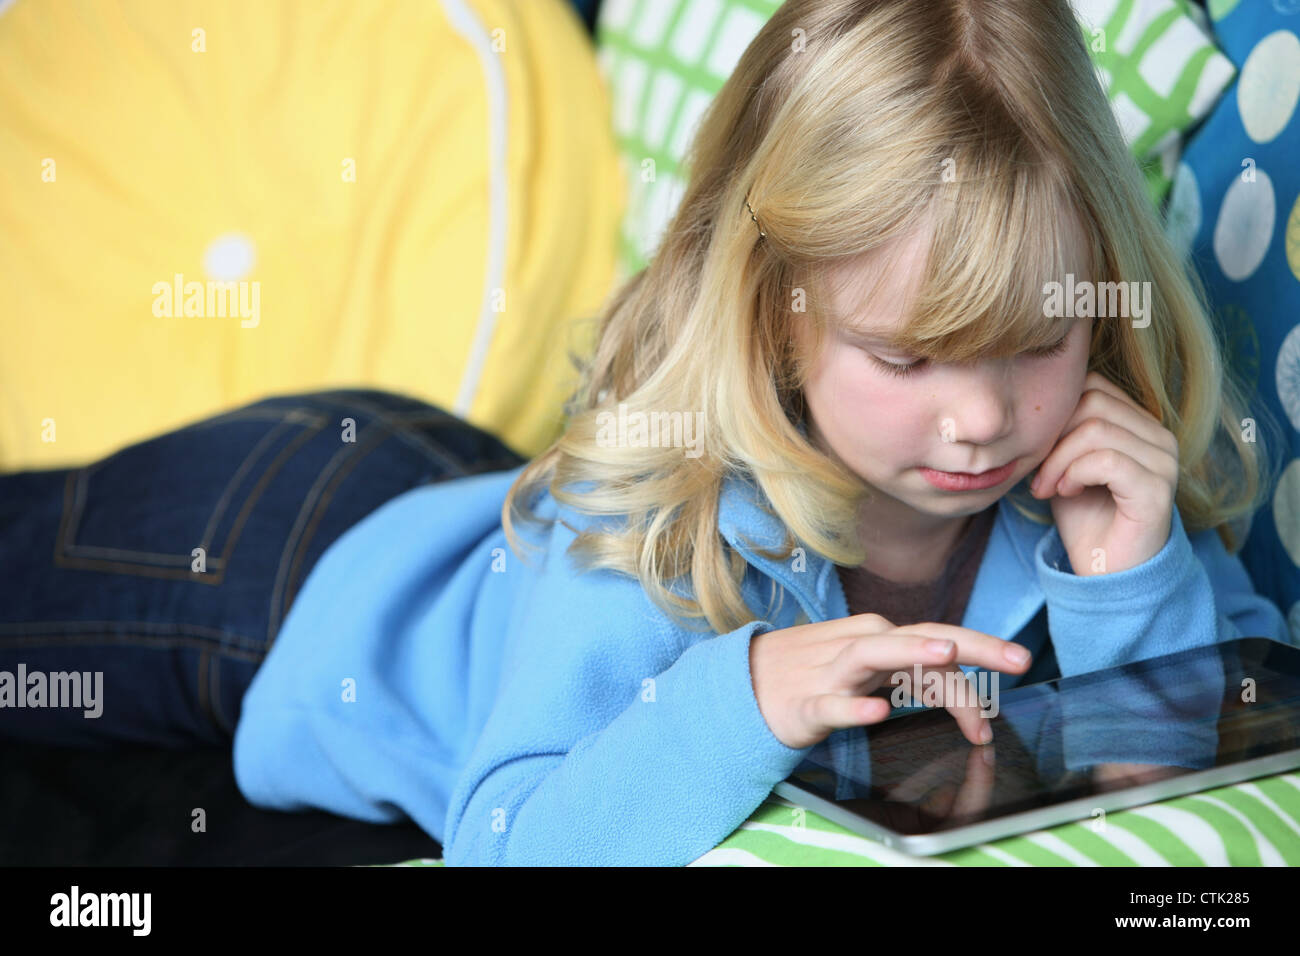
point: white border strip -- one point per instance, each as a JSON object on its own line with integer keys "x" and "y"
{"x": 467, "y": 23}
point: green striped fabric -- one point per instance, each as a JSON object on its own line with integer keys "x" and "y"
{"x": 1256, "y": 823}
{"x": 664, "y": 60}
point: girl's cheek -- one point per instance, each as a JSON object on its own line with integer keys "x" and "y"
{"x": 1053, "y": 395}
{"x": 901, "y": 415}
{"x": 873, "y": 414}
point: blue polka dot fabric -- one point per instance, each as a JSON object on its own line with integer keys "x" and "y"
{"x": 1235, "y": 209}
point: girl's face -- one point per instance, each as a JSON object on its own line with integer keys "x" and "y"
{"x": 890, "y": 428}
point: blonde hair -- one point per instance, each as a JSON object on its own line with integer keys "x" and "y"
{"x": 845, "y": 124}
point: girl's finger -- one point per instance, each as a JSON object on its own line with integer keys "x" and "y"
{"x": 957, "y": 694}
{"x": 904, "y": 647}
{"x": 1098, "y": 435}
{"x": 1100, "y": 382}
{"x": 968, "y": 712}
{"x": 832, "y": 712}
{"x": 1105, "y": 399}
{"x": 1128, "y": 481}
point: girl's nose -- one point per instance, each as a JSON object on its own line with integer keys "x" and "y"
{"x": 982, "y": 411}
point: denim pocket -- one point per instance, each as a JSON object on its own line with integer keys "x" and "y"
{"x": 150, "y": 508}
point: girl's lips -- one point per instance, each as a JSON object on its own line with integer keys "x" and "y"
{"x": 964, "y": 481}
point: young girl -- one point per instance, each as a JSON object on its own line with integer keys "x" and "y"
{"x": 612, "y": 653}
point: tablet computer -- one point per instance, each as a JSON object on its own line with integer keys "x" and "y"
{"x": 1067, "y": 749}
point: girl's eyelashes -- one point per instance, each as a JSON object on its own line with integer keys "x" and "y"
{"x": 902, "y": 370}
{"x": 1051, "y": 350}
{"x": 894, "y": 369}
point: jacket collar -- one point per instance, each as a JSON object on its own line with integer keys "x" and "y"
{"x": 1005, "y": 595}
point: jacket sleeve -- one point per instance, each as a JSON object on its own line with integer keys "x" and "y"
{"x": 610, "y": 745}
{"x": 1191, "y": 593}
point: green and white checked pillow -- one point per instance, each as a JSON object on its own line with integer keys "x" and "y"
{"x": 664, "y": 61}
{"x": 1161, "y": 72}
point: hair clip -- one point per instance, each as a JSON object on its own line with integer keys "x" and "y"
{"x": 761, "y": 233}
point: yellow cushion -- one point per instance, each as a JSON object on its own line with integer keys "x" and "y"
{"x": 152, "y": 139}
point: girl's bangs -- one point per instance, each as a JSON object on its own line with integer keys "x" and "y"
{"x": 998, "y": 239}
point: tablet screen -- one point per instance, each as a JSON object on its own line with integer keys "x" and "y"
{"x": 1065, "y": 739}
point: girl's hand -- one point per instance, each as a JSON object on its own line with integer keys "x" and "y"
{"x": 812, "y": 679}
{"x": 1111, "y": 481}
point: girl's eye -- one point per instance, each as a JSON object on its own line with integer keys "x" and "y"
{"x": 895, "y": 369}
{"x": 901, "y": 370}
{"x": 1051, "y": 350}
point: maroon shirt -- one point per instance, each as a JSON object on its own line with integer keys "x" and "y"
{"x": 942, "y": 600}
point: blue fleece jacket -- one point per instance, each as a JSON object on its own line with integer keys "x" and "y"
{"x": 524, "y": 712}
